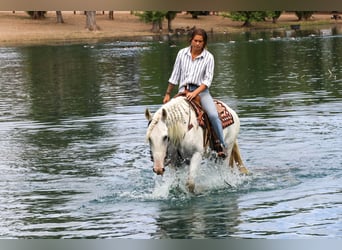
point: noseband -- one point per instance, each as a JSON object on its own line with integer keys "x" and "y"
{"x": 180, "y": 160}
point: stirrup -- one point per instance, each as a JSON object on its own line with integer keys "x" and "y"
{"x": 222, "y": 155}
{"x": 221, "y": 152}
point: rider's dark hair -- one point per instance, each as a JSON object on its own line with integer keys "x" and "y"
{"x": 200, "y": 32}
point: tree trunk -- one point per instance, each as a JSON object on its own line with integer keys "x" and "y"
{"x": 35, "y": 15}
{"x": 160, "y": 24}
{"x": 247, "y": 23}
{"x": 111, "y": 15}
{"x": 170, "y": 15}
{"x": 169, "y": 26}
{"x": 276, "y": 16}
{"x": 155, "y": 26}
{"x": 59, "y": 16}
{"x": 91, "y": 21}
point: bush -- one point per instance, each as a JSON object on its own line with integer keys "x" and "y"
{"x": 304, "y": 15}
{"x": 37, "y": 14}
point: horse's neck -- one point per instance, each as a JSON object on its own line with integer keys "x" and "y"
{"x": 178, "y": 119}
{"x": 177, "y": 111}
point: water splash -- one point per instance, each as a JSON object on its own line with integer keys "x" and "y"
{"x": 211, "y": 177}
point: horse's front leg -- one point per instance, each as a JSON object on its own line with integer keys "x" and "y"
{"x": 194, "y": 164}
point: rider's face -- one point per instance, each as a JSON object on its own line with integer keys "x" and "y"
{"x": 197, "y": 43}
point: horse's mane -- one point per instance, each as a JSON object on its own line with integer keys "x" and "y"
{"x": 177, "y": 115}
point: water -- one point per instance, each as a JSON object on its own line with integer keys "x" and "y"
{"x": 75, "y": 164}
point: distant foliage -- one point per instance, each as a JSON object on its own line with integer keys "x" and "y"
{"x": 151, "y": 16}
{"x": 275, "y": 15}
{"x": 154, "y": 17}
{"x": 304, "y": 15}
{"x": 170, "y": 15}
{"x": 249, "y": 16}
{"x": 36, "y": 14}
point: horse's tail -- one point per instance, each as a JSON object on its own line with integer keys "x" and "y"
{"x": 235, "y": 157}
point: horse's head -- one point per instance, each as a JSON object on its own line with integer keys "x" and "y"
{"x": 158, "y": 138}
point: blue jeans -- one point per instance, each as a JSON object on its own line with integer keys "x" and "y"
{"x": 209, "y": 107}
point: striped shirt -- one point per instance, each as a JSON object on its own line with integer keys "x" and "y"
{"x": 198, "y": 71}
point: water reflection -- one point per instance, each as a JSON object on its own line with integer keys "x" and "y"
{"x": 200, "y": 218}
{"x": 62, "y": 82}
{"x": 270, "y": 68}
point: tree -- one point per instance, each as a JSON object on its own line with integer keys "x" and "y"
{"x": 91, "y": 20}
{"x": 37, "y": 14}
{"x": 170, "y": 15}
{"x": 275, "y": 15}
{"x": 304, "y": 15}
{"x": 247, "y": 16}
{"x": 154, "y": 17}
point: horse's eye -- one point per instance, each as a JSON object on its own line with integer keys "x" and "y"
{"x": 165, "y": 138}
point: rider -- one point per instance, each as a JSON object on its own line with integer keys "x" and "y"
{"x": 193, "y": 70}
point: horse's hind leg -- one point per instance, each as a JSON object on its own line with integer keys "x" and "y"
{"x": 235, "y": 157}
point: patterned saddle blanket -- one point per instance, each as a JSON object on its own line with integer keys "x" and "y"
{"x": 209, "y": 135}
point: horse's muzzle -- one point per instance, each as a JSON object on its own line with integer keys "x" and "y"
{"x": 160, "y": 171}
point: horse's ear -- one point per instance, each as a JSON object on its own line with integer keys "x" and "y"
{"x": 164, "y": 115}
{"x": 148, "y": 114}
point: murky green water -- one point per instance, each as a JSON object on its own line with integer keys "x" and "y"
{"x": 75, "y": 164}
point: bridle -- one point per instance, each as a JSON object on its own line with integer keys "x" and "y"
{"x": 180, "y": 160}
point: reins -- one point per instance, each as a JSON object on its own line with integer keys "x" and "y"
{"x": 189, "y": 122}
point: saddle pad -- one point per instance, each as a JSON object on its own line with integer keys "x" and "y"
{"x": 225, "y": 116}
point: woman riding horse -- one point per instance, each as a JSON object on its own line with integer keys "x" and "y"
{"x": 193, "y": 70}
{"x": 175, "y": 137}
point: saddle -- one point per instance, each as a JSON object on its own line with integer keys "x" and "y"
{"x": 209, "y": 135}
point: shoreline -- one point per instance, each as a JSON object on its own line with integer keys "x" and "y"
{"x": 18, "y": 29}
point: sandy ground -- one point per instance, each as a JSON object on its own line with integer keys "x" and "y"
{"x": 19, "y": 29}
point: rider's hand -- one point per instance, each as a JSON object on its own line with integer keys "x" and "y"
{"x": 191, "y": 95}
{"x": 166, "y": 98}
